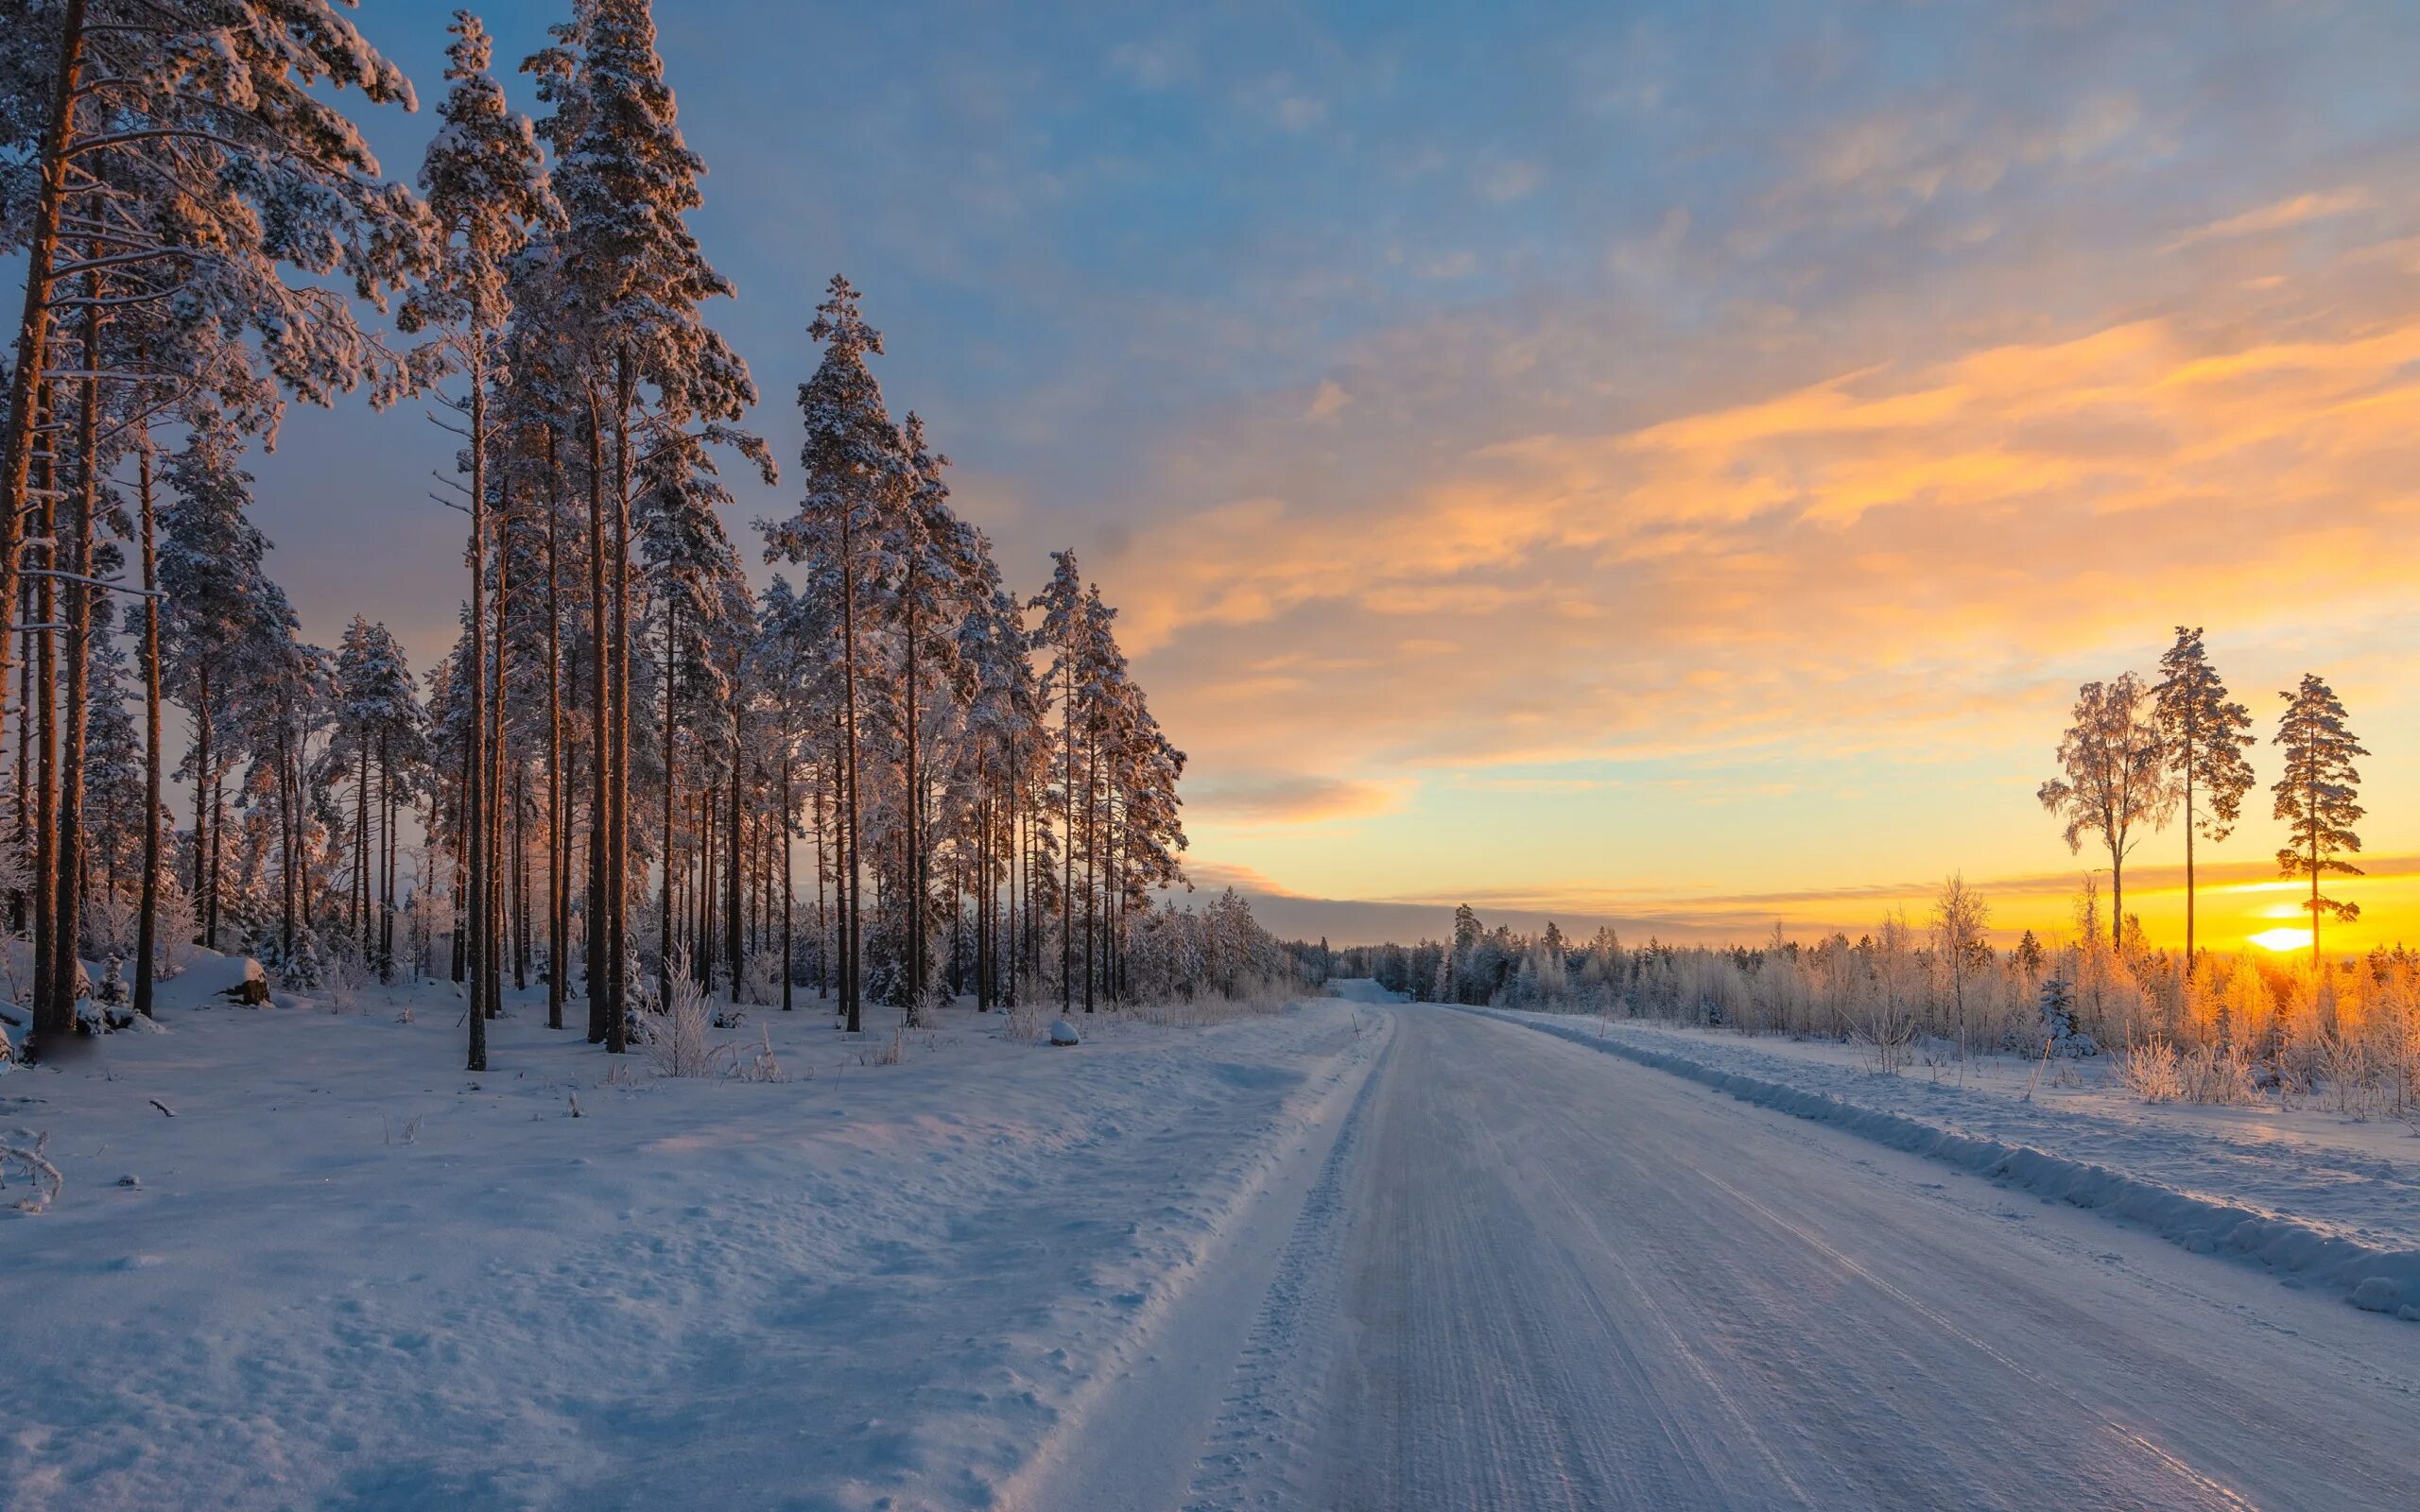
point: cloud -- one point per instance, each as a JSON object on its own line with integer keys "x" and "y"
{"x": 2279, "y": 215}
{"x": 1263, "y": 797}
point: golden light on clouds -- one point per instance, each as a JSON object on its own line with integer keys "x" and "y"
{"x": 1789, "y": 599}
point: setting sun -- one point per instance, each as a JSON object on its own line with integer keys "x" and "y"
{"x": 2283, "y": 939}
{"x": 1291, "y": 754}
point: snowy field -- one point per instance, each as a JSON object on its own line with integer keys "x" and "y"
{"x": 353, "y": 1276}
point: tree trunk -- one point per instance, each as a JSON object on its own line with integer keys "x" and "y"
{"x": 600, "y": 749}
{"x": 473, "y": 812}
{"x": 1092, "y": 855}
{"x": 67, "y": 957}
{"x": 205, "y": 811}
{"x": 734, "y": 956}
{"x": 147, "y": 918}
{"x": 617, "y": 870}
{"x": 849, "y": 977}
{"x": 493, "y": 784}
{"x": 789, "y": 905}
{"x": 33, "y": 327}
{"x": 45, "y": 712}
{"x": 663, "y": 925}
{"x": 557, "y": 838}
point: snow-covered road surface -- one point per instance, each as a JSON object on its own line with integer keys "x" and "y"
{"x": 1533, "y": 1276}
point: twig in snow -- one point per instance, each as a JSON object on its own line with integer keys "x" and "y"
{"x": 38, "y": 1169}
{"x": 162, "y": 1107}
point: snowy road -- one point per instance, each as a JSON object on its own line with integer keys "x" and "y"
{"x": 1528, "y": 1274}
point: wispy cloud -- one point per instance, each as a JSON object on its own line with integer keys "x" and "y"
{"x": 2281, "y": 214}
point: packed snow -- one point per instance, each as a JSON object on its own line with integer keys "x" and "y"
{"x": 2315, "y": 1195}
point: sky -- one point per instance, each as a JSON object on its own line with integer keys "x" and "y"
{"x": 1665, "y": 465}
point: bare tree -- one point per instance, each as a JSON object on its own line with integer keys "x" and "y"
{"x": 2117, "y": 781}
{"x": 1960, "y": 917}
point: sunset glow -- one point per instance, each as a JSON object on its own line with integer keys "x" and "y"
{"x": 1683, "y": 519}
{"x": 965, "y": 755}
{"x": 2283, "y": 939}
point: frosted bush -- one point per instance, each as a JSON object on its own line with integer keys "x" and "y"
{"x": 677, "y": 1039}
{"x": 2152, "y": 1071}
{"x": 761, "y": 981}
{"x": 2221, "y": 1074}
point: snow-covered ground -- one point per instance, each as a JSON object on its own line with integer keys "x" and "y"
{"x": 352, "y": 1275}
{"x": 2311, "y": 1194}
{"x": 1353, "y": 1255}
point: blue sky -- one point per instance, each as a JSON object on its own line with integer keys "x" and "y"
{"x": 1583, "y": 455}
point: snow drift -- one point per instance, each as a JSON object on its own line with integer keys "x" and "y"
{"x": 2375, "y": 1278}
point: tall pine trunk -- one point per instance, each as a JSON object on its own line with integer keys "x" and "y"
{"x": 66, "y": 964}
{"x": 557, "y": 838}
{"x": 850, "y": 882}
{"x": 48, "y": 1020}
{"x": 601, "y": 748}
{"x": 147, "y": 916}
{"x": 664, "y": 923}
{"x": 617, "y": 870}
{"x": 789, "y": 905}
{"x": 491, "y": 782}
{"x": 474, "y": 813}
{"x": 734, "y": 956}
{"x": 33, "y": 327}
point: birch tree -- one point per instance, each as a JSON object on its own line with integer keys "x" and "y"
{"x": 2116, "y": 781}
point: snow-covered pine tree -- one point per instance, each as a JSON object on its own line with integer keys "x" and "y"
{"x": 184, "y": 152}
{"x": 2204, "y": 732}
{"x": 487, "y": 191}
{"x": 1062, "y": 630}
{"x": 2318, "y": 796}
{"x": 376, "y": 744}
{"x": 856, "y": 480}
{"x": 211, "y": 569}
{"x": 632, "y": 277}
{"x": 114, "y": 802}
{"x": 922, "y": 558}
{"x": 701, "y": 602}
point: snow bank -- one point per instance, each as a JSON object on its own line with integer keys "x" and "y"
{"x": 347, "y": 1273}
{"x": 2377, "y": 1279}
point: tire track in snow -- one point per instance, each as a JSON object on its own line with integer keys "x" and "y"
{"x": 1250, "y": 1452}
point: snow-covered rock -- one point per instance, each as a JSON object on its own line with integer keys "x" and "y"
{"x": 215, "y": 980}
{"x": 1063, "y": 1033}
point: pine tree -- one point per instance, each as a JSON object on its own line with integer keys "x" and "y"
{"x": 211, "y": 573}
{"x": 2205, "y": 734}
{"x": 487, "y": 191}
{"x": 378, "y": 741}
{"x": 855, "y": 481}
{"x": 114, "y": 807}
{"x": 193, "y": 209}
{"x": 2318, "y": 796}
{"x": 184, "y": 152}
{"x": 1063, "y": 630}
{"x": 652, "y": 375}
{"x": 2117, "y": 778}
